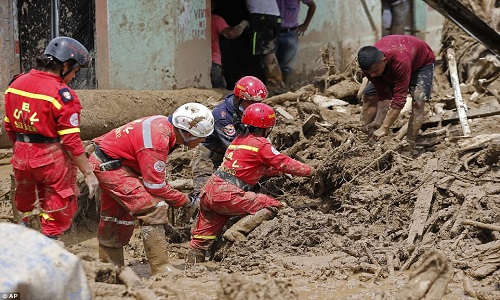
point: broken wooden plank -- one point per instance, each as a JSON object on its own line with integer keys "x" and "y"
{"x": 480, "y": 225}
{"x": 451, "y": 116}
{"x": 282, "y": 111}
{"x": 423, "y": 203}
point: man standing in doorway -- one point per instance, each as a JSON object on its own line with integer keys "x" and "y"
{"x": 265, "y": 25}
{"x": 287, "y": 43}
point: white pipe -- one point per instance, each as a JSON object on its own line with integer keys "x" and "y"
{"x": 459, "y": 102}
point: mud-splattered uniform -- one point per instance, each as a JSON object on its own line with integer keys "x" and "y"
{"x": 136, "y": 188}
{"x": 246, "y": 161}
{"x": 42, "y": 119}
{"x": 210, "y": 153}
{"x": 410, "y": 66}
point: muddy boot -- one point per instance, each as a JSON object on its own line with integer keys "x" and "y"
{"x": 155, "y": 246}
{"x": 238, "y": 232}
{"x": 194, "y": 256}
{"x": 111, "y": 255}
{"x": 273, "y": 75}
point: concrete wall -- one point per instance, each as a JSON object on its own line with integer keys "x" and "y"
{"x": 428, "y": 24}
{"x": 152, "y": 44}
{"x": 165, "y": 44}
{"x": 345, "y": 25}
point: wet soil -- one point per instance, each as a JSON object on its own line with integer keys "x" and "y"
{"x": 376, "y": 222}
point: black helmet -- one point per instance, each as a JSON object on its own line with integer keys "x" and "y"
{"x": 65, "y": 48}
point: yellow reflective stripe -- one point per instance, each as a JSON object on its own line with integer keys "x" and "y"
{"x": 35, "y": 96}
{"x": 68, "y": 131}
{"x": 254, "y": 149}
{"x": 46, "y": 216}
{"x": 205, "y": 237}
{"x": 42, "y": 214}
{"x": 6, "y": 119}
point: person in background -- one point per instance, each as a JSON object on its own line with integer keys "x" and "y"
{"x": 220, "y": 27}
{"x": 228, "y": 192}
{"x": 399, "y": 14}
{"x": 42, "y": 119}
{"x": 287, "y": 43}
{"x": 227, "y": 114}
{"x": 395, "y": 65}
{"x": 265, "y": 25}
{"x": 130, "y": 164}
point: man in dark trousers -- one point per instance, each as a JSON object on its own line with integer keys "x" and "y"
{"x": 395, "y": 65}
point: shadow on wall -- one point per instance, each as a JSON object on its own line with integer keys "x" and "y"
{"x": 237, "y": 58}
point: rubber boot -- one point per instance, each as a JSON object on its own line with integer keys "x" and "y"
{"x": 155, "y": 246}
{"x": 111, "y": 255}
{"x": 238, "y": 232}
{"x": 195, "y": 256}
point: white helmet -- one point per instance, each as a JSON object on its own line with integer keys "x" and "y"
{"x": 195, "y": 118}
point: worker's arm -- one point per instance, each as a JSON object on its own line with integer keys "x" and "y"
{"x": 235, "y": 31}
{"x": 390, "y": 118}
{"x": 311, "y": 9}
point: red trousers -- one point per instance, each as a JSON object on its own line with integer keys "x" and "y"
{"x": 46, "y": 171}
{"x": 219, "y": 201}
{"x": 123, "y": 196}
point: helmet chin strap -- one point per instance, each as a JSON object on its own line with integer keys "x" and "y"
{"x": 62, "y": 75}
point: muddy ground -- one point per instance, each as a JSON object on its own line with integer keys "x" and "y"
{"x": 352, "y": 232}
{"x": 376, "y": 222}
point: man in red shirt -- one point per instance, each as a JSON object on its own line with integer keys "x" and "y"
{"x": 228, "y": 192}
{"x": 42, "y": 119}
{"x": 395, "y": 65}
{"x": 130, "y": 164}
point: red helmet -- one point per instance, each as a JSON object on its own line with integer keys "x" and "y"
{"x": 259, "y": 115}
{"x": 250, "y": 88}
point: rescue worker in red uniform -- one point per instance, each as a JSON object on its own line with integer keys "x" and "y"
{"x": 228, "y": 192}
{"x": 42, "y": 119}
{"x": 227, "y": 116}
{"x": 130, "y": 164}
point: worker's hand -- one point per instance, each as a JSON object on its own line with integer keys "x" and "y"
{"x": 92, "y": 183}
{"x": 313, "y": 172}
{"x": 382, "y": 131}
{"x": 301, "y": 29}
{"x": 244, "y": 24}
{"x": 370, "y": 128}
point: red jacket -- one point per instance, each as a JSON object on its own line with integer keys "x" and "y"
{"x": 405, "y": 54}
{"x": 250, "y": 158}
{"x": 41, "y": 103}
{"x": 144, "y": 145}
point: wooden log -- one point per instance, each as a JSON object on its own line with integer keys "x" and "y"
{"x": 104, "y": 110}
{"x": 451, "y": 116}
{"x": 461, "y": 108}
{"x": 480, "y": 225}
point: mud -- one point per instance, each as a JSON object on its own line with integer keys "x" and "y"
{"x": 376, "y": 222}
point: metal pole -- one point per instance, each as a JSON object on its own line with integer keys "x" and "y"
{"x": 54, "y": 18}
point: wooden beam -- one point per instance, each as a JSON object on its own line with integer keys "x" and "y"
{"x": 452, "y": 116}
